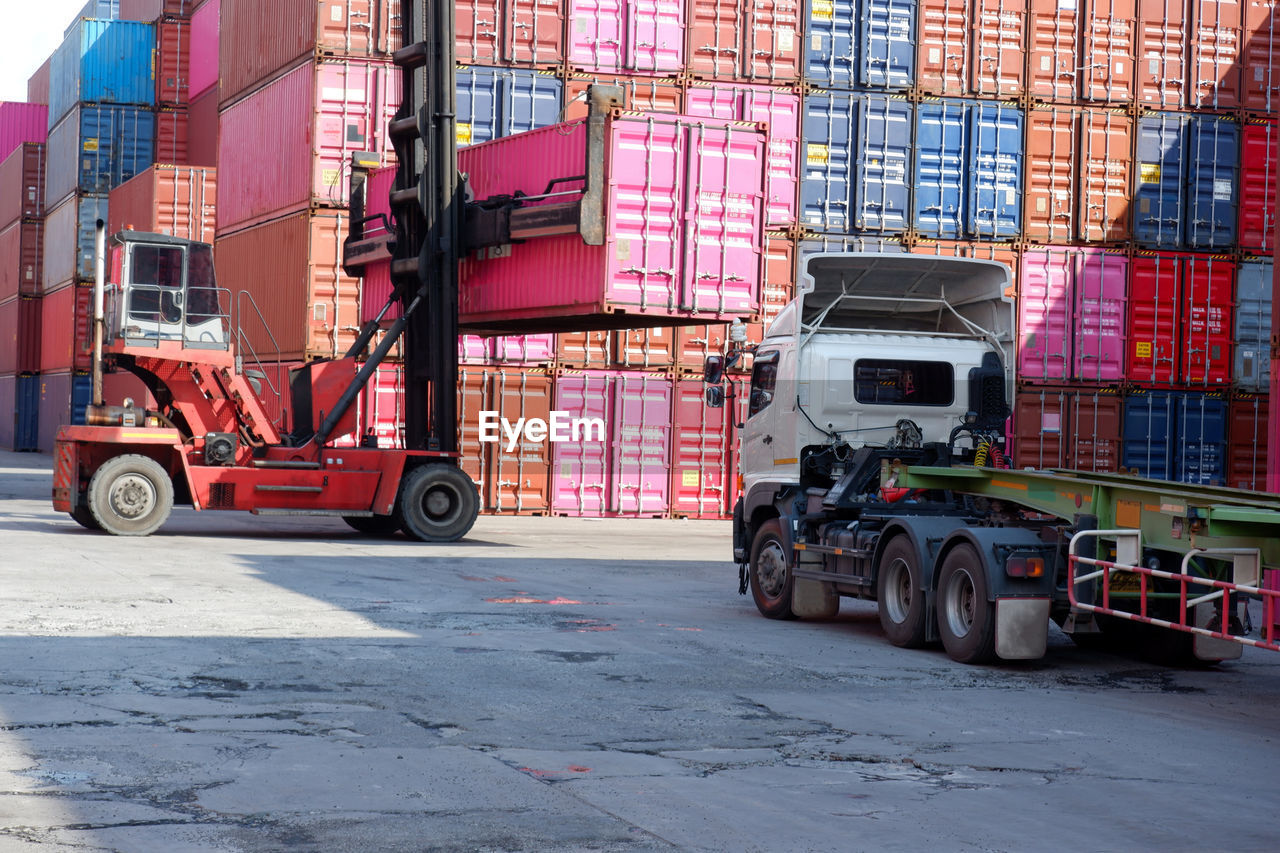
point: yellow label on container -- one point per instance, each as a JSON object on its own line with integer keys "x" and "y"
{"x": 91, "y": 144}
{"x": 1149, "y": 173}
{"x": 1142, "y": 349}
{"x": 690, "y": 479}
{"x": 462, "y": 132}
{"x": 818, "y": 154}
{"x": 331, "y": 177}
{"x": 824, "y": 9}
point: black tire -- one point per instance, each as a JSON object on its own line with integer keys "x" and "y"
{"x": 966, "y": 619}
{"x": 900, "y": 594}
{"x": 437, "y": 503}
{"x": 84, "y": 517}
{"x": 373, "y": 525}
{"x": 130, "y": 495}
{"x": 771, "y": 579}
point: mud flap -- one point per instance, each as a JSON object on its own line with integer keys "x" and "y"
{"x": 1022, "y": 628}
{"x": 1211, "y": 648}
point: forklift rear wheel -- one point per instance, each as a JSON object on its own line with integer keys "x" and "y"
{"x": 438, "y": 503}
{"x": 373, "y": 525}
{"x": 771, "y": 578}
{"x": 130, "y": 495}
{"x": 966, "y": 620}
{"x": 900, "y": 595}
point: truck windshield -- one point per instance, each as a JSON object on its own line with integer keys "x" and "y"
{"x": 890, "y": 382}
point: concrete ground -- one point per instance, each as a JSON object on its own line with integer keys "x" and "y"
{"x": 259, "y": 684}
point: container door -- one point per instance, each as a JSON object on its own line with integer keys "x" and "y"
{"x": 1044, "y": 314}
{"x": 1054, "y": 36}
{"x": 882, "y": 191}
{"x": 1162, "y": 170}
{"x": 1051, "y": 174}
{"x": 1148, "y": 434}
{"x": 641, "y": 460}
{"x": 1106, "y": 169}
{"x": 518, "y": 477}
{"x": 781, "y": 111}
{"x": 1247, "y": 447}
{"x": 534, "y": 32}
{"x": 655, "y": 36}
{"x": 771, "y": 48}
{"x": 998, "y": 54}
{"x": 1039, "y": 434}
{"x": 1108, "y": 35}
{"x": 830, "y": 54}
{"x": 474, "y": 397}
{"x": 1258, "y": 183}
{"x": 1201, "y": 449}
{"x": 887, "y": 43}
{"x": 1208, "y": 287}
{"x": 1213, "y": 149}
{"x": 580, "y": 471}
{"x": 478, "y": 101}
{"x": 1160, "y": 82}
{"x": 1252, "y": 370}
{"x": 478, "y": 23}
{"x": 1154, "y": 309}
{"x": 942, "y": 62}
{"x": 827, "y": 190}
{"x": 1214, "y": 54}
{"x": 1094, "y": 433}
{"x": 27, "y": 432}
{"x": 645, "y": 197}
{"x": 715, "y": 38}
{"x": 1099, "y": 313}
{"x": 940, "y": 164}
{"x": 995, "y": 166}
{"x": 530, "y": 99}
{"x": 699, "y": 450}
{"x": 1260, "y": 63}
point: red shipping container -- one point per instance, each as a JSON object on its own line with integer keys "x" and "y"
{"x": 699, "y": 454}
{"x": 1106, "y": 166}
{"x": 1258, "y": 139}
{"x": 585, "y": 349}
{"x": 1208, "y": 290}
{"x": 1247, "y": 443}
{"x": 65, "y": 329}
{"x": 173, "y": 62}
{"x": 38, "y": 84}
{"x": 175, "y": 200}
{"x": 203, "y": 62}
{"x": 1155, "y": 300}
{"x": 22, "y": 184}
{"x": 943, "y": 57}
{"x": 1054, "y": 50}
{"x": 288, "y": 146}
{"x": 527, "y": 33}
{"x": 756, "y": 40}
{"x": 695, "y": 343}
{"x": 172, "y": 127}
{"x": 1039, "y": 428}
{"x": 21, "y": 256}
{"x": 644, "y": 349}
{"x": 999, "y": 52}
{"x": 1050, "y": 167}
{"x": 1214, "y": 54}
{"x": 292, "y": 269}
{"x": 202, "y": 130}
{"x": 1161, "y": 78}
{"x": 149, "y": 10}
{"x": 644, "y": 94}
{"x": 253, "y": 48}
{"x": 1095, "y": 432}
{"x": 1110, "y": 34}
{"x": 1260, "y": 62}
{"x": 22, "y": 122}
{"x": 674, "y": 249}
{"x": 519, "y": 479}
{"x": 19, "y": 336}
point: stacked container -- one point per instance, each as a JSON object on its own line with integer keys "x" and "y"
{"x": 172, "y": 21}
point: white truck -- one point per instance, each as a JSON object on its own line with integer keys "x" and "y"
{"x": 873, "y": 466}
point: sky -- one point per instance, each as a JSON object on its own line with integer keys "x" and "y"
{"x": 31, "y": 31}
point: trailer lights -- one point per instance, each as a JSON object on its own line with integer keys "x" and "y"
{"x": 1018, "y": 566}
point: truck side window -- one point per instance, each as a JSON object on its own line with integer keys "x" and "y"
{"x": 155, "y": 274}
{"x": 764, "y": 377}
{"x": 894, "y": 382}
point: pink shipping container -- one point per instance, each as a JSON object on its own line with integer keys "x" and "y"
{"x": 1044, "y": 314}
{"x": 780, "y": 110}
{"x": 1160, "y": 81}
{"x": 641, "y": 36}
{"x": 253, "y": 47}
{"x": 531, "y": 350}
{"x": 54, "y": 407}
{"x": 22, "y": 184}
{"x": 22, "y": 122}
{"x": 149, "y": 10}
{"x": 1099, "y": 314}
{"x": 175, "y": 200}
{"x": 21, "y": 254}
{"x": 38, "y": 84}
{"x": 19, "y": 336}
{"x": 628, "y": 472}
{"x": 700, "y": 470}
{"x": 202, "y": 130}
{"x": 683, "y": 217}
{"x": 1258, "y": 139}
{"x": 203, "y": 74}
{"x": 527, "y": 33}
{"x": 1213, "y": 63}
{"x": 1260, "y": 63}
{"x": 1072, "y": 315}
{"x": 288, "y": 146}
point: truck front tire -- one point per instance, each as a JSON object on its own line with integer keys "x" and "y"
{"x": 130, "y": 495}
{"x": 438, "y": 503}
{"x": 771, "y": 578}
{"x": 900, "y": 595}
{"x": 966, "y": 619}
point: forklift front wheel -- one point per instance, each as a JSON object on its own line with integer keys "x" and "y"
{"x": 130, "y": 495}
{"x": 438, "y": 503}
{"x": 373, "y": 525}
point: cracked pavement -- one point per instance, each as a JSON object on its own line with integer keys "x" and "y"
{"x": 246, "y": 684}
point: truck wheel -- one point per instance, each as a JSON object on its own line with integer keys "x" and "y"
{"x": 966, "y": 620}
{"x": 900, "y": 595}
{"x": 373, "y": 525}
{"x": 130, "y": 495}
{"x": 771, "y": 578}
{"x": 438, "y": 503}
{"x": 84, "y": 517}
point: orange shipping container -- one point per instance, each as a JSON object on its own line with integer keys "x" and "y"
{"x": 519, "y": 480}
{"x": 65, "y": 341}
{"x": 1214, "y": 53}
{"x": 21, "y": 253}
{"x": 644, "y": 349}
{"x": 700, "y": 455}
{"x": 527, "y": 33}
{"x": 653, "y": 94}
{"x": 292, "y": 270}
{"x": 1260, "y": 57}
{"x": 1106, "y": 166}
{"x": 172, "y": 130}
{"x": 1039, "y": 434}
{"x": 1109, "y": 35}
{"x": 176, "y": 200}
{"x": 1053, "y": 50}
{"x": 584, "y": 349}
{"x": 999, "y": 53}
{"x": 1160, "y": 81}
{"x": 942, "y": 61}
{"x": 1050, "y": 168}
{"x": 172, "y": 61}
{"x": 473, "y": 384}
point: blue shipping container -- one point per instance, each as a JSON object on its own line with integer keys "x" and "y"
{"x": 1148, "y": 434}
{"x": 102, "y": 62}
{"x": 104, "y": 9}
{"x": 826, "y": 191}
{"x": 940, "y": 162}
{"x": 497, "y": 102}
{"x": 1162, "y": 170}
{"x": 81, "y": 397}
{"x": 816, "y": 244}
{"x": 27, "y": 413}
{"x": 1213, "y": 150}
{"x": 886, "y": 43}
{"x": 98, "y": 147}
{"x": 994, "y": 167}
{"x": 829, "y": 56}
{"x": 1252, "y": 370}
{"x": 1201, "y": 450}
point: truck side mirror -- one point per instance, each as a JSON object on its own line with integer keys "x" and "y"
{"x": 713, "y": 369}
{"x": 715, "y": 397}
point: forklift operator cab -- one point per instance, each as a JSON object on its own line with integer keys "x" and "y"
{"x": 163, "y": 289}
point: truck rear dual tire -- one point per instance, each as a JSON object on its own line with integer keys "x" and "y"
{"x": 966, "y": 619}
{"x": 438, "y": 503}
{"x": 771, "y": 580}
{"x": 130, "y": 495}
{"x": 900, "y": 594}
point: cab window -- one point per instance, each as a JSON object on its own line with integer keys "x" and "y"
{"x": 903, "y": 382}
{"x": 155, "y": 273}
{"x": 764, "y": 379}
